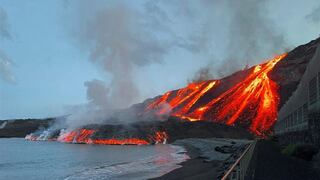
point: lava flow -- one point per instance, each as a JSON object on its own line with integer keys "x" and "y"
{"x": 77, "y": 136}
{"x": 85, "y": 136}
{"x": 254, "y": 100}
{"x": 189, "y": 95}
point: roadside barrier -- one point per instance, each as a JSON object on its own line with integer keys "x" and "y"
{"x": 238, "y": 170}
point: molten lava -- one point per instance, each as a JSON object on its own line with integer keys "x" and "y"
{"x": 159, "y": 137}
{"x": 253, "y": 101}
{"x": 78, "y": 136}
{"x": 187, "y": 96}
{"x": 113, "y": 141}
{"x": 85, "y": 136}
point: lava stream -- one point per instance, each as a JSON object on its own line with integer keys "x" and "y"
{"x": 86, "y": 136}
{"x": 253, "y": 100}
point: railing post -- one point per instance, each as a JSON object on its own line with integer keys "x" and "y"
{"x": 238, "y": 170}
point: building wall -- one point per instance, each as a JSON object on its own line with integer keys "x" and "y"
{"x": 299, "y": 117}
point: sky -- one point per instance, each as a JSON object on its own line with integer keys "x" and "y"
{"x": 57, "y": 55}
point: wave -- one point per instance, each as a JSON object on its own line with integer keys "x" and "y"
{"x": 165, "y": 160}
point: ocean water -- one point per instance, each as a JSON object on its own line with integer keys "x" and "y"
{"x": 33, "y": 160}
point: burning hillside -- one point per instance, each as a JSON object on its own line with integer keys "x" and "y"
{"x": 248, "y": 99}
{"x": 254, "y": 100}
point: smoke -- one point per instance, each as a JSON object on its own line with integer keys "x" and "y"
{"x": 119, "y": 40}
{"x": 202, "y": 74}
{"x": 5, "y": 62}
{"x": 252, "y": 35}
{"x": 4, "y": 26}
{"x": 97, "y": 93}
{"x": 314, "y": 16}
{"x": 5, "y": 68}
{"x": 249, "y": 35}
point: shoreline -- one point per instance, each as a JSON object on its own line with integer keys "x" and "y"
{"x": 193, "y": 168}
{"x": 209, "y": 158}
{"x": 205, "y": 162}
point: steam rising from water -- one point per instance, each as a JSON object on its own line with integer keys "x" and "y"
{"x": 119, "y": 42}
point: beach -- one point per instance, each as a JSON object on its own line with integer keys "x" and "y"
{"x": 206, "y": 162}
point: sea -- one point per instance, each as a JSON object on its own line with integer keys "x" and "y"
{"x": 45, "y": 160}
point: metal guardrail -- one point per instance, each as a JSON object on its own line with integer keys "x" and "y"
{"x": 238, "y": 169}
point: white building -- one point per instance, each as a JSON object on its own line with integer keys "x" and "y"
{"x": 301, "y": 111}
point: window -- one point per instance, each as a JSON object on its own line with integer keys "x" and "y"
{"x": 300, "y": 117}
{"x": 295, "y": 117}
{"x": 305, "y": 112}
{"x": 313, "y": 90}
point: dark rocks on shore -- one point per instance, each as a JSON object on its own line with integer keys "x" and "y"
{"x": 22, "y": 127}
{"x": 226, "y": 149}
{"x": 206, "y": 162}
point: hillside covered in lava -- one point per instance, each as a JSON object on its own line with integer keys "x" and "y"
{"x": 243, "y": 104}
{"x": 249, "y": 98}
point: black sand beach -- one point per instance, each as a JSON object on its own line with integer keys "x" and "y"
{"x": 204, "y": 163}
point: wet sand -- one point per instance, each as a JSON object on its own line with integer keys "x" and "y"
{"x": 204, "y": 163}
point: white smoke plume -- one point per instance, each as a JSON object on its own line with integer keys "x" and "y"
{"x": 252, "y": 35}
{"x": 4, "y": 25}
{"x": 314, "y": 16}
{"x": 202, "y": 74}
{"x": 5, "y": 68}
{"x": 120, "y": 39}
{"x": 249, "y": 34}
{"x": 5, "y": 62}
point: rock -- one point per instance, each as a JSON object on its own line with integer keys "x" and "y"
{"x": 225, "y": 149}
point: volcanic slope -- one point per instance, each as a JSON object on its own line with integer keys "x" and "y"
{"x": 249, "y": 98}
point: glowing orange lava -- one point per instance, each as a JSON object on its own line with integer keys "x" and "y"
{"x": 255, "y": 100}
{"x": 77, "y": 136}
{"x": 188, "y": 95}
{"x": 113, "y": 141}
{"x": 159, "y": 137}
{"x": 84, "y": 136}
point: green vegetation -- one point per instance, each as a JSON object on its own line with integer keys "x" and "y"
{"x": 289, "y": 150}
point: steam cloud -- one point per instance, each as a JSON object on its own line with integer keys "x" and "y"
{"x": 120, "y": 42}
{"x": 4, "y": 30}
{"x": 120, "y": 39}
{"x": 314, "y": 16}
{"x": 5, "y": 62}
{"x": 250, "y": 36}
{"x": 202, "y": 75}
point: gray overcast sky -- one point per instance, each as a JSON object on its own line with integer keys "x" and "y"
{"x": 57, "y": 54}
